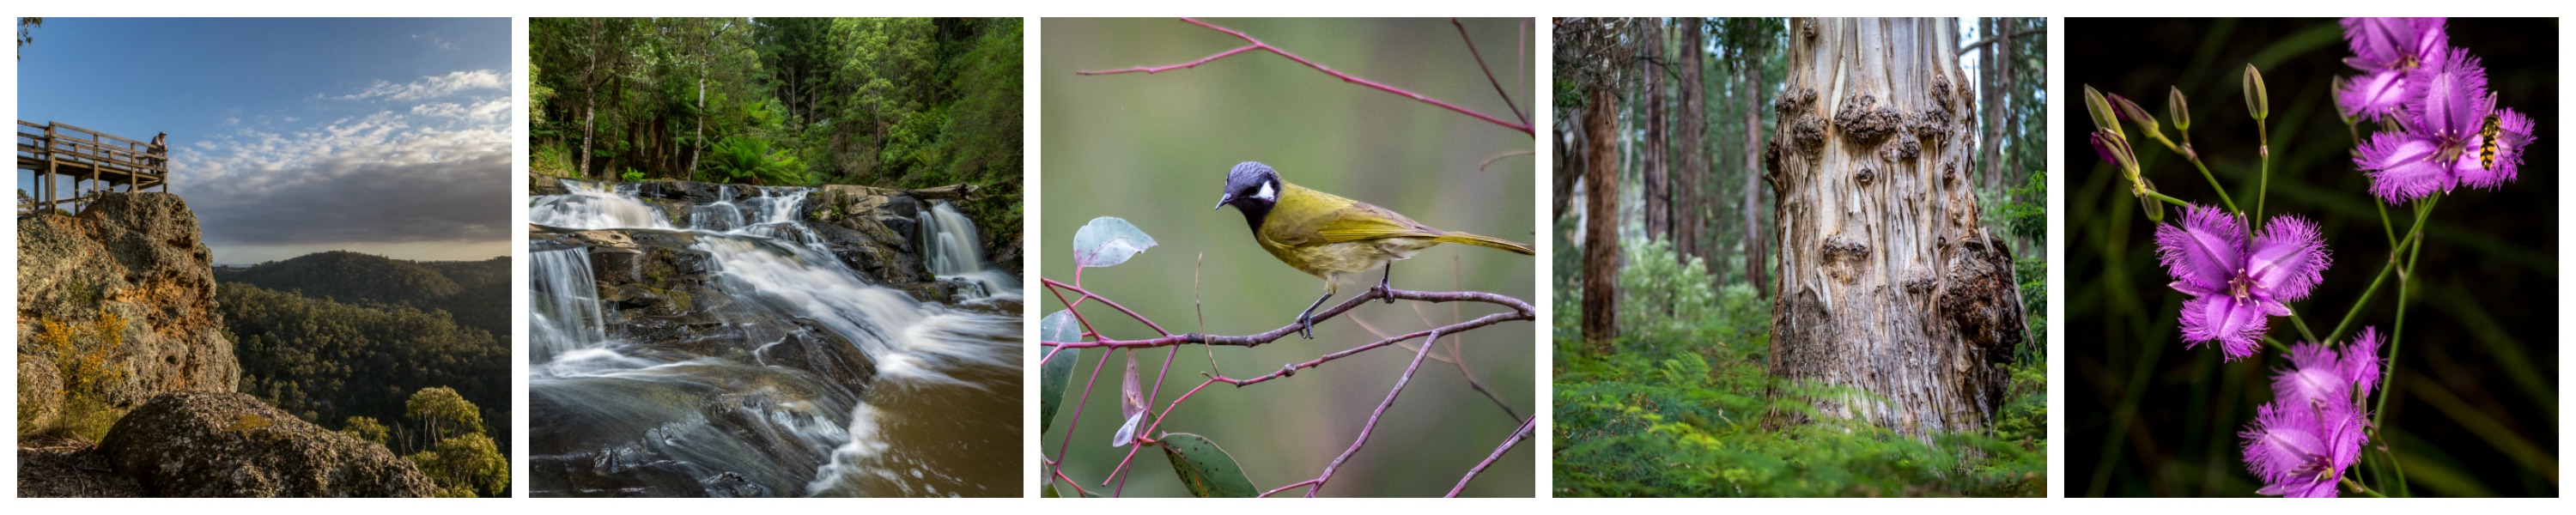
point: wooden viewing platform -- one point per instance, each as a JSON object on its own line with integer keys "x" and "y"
{"x": 96, "y": 162}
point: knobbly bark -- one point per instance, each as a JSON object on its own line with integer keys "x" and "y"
{"x": 1601, "y": 221}
{"x": 1887, "y": 285}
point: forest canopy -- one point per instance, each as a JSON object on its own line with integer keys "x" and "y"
{"x": 889, "y": 102}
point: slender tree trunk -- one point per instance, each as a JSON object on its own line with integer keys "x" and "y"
{"x": 1989, "y": 150}
{"x": 1754, "y": 248}
{"x": 589, "y": 99}
{"x": 2003, "y": 103}
{"x": 1693, "y": 208}
{"x": 1600, "y": 225}
{"x": 1887, "y": 285}
{"x": 1659, "y": 218}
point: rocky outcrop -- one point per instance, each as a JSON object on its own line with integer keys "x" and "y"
{"x": 136, "y": 256}
{"x": 189, "y": 444}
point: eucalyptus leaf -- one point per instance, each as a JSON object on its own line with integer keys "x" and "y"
{"x": 1108, "y": 241}
{"x": 1057, "y": 327}
{"x": 1205, "y": 468}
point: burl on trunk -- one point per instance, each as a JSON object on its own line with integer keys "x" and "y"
{"x": 1887, "y": 285}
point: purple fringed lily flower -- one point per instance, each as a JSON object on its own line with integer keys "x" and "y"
{"x": 2313, "y": 429}
{"x": 2302, "y": 450}
{"x": 2318, "y": 374}
{"x": 2453, "y": 135}
{"x": 2385, "y": 50}
{"x": 2237, "y": 285}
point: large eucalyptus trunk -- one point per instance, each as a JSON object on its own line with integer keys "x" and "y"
{"x": 1887, "y": 285}
{"x": 1600, "y": 224}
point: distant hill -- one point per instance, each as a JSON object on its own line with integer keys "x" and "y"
{"x": 475, "y": 293}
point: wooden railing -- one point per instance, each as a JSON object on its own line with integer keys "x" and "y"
{"x": 96, "y": 162}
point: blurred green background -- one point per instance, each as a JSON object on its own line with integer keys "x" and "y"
{"x": 2474, "y": 407}
{"x": 1154, "y": 150}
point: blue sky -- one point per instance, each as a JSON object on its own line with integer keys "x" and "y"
{"x": 293, "y": 136}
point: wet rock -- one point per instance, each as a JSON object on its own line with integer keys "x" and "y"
{"x": 188, "y": 444}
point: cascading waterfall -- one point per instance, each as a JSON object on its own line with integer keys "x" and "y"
{"x": 954, "y": 252}
{"x": 567, "y": 301}
{"x": 750, "y": 391}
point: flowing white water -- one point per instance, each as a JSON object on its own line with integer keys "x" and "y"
{"x": 567, "y": 301}
{"x": 744, "y": 428}
{"x": 951, "y": 248}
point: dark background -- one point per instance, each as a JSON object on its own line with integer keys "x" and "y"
{"x": 2474, "y": 406}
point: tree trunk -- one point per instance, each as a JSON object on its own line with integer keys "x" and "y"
{"x": 589, "y": 99}
{"x": 1600, "y": 225}
{"x": 1659, "y": 220}
{"x": 1992, "y": 56}
{"x": 698, "y": 142}
{"x": 1755, "y": 248}
{"x": 2002, "y": 104}
{"x": 1887, "y": 285}
{"x": 1693, "y": 201}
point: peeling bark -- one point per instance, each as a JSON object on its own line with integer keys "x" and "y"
{"x": 1886, "y": 283}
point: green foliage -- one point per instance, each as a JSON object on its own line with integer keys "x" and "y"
{"x": 1206, "y": 469}
{"x": 1687, "y": 408}
{"x": 443, "y": 412}
{"x": 630, "y": 175}
{"x": 748, "y": 160}
{"x": 552, "y": 159}
{"x": 326, "y": 360}
{"x": 476, "y": 293}
{"x": 364, "y": 428}
{"x": 469, "y": 465}
{"x": 88, "y": 358}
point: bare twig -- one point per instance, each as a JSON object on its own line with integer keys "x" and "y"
{"x": 1491, "y": 160}
{"x": 1371, "y": 426}
{"x": 1257, "y": 44}
{"x": 1489, "y": 72}
{"x": 1519, "y": 311}
{"x": 1507, "y": 445}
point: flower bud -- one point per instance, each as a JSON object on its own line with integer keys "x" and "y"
{"x": 2155, "y": 208}
{"x": 2134, "y": 114}
{"x": 2178, "y": 110}
{"x": 2103, "y": 117}
{"x": 2257, "y": 101}
{"x": 2337, "y": 86}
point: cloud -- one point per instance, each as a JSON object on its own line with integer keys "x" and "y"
{"x": 433, "y": 86}
{"x": 492, "y": 110}
{"x": 377, "y": 178}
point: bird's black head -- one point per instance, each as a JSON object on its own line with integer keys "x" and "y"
{"x": 1252, "y": 188}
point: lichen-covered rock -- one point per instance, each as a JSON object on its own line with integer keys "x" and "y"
{"x": 189, "y": 444}
{"x": 136, "y": 256}
{"x": 40, "y": 392}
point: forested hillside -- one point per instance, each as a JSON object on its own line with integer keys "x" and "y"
{"x": 475, "y": 293}
{"x": 889, "y": 102}
{"x": 327, "y": 361}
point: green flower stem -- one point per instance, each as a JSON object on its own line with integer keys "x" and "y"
{"x": 2159, "y": 136}
{"x": 2302, "y": 326}
{"x": 2412, "y": 234}
{"x": 2406, "y": 276}
{"x": 2357, "y": 488}
{"x": 2263, "y": 186}
{"x": 2384, "y": 226}
{"x": 2168, "y": 199}
{"x": 2276, "y": 344}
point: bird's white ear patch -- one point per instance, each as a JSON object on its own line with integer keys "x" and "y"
{"x": 1266, "y": 193}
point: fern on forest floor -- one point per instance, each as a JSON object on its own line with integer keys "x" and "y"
{"x": 1684, "y": 407}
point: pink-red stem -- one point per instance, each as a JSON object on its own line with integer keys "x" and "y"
{"x": 1257, "y": 44}
{"x": 1371, "y": 426}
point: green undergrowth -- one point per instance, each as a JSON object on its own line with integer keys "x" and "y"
{"x": 1684, "y": 406}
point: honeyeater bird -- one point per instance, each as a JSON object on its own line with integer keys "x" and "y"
{"x": 1330, "y": 236}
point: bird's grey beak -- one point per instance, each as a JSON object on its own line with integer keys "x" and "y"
{"x": 1222, "y": 199}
